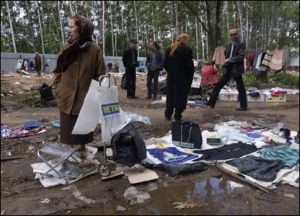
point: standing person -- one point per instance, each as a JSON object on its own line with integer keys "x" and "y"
{"x": 38, "y": 63}
{"x": 129, "y": 59}
{"x": 79, "y": 61}
{"x": 208, "y": 77}
{"x": 233, "y": 68}
{"x": 180, "y": 72}
{"x": 154, "y": 64}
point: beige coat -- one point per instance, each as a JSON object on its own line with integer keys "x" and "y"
{"x": 71, "y": 86}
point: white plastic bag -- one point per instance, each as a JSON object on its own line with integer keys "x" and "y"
{"x": 88, "y": 117}
{"x": 111, "y": 116}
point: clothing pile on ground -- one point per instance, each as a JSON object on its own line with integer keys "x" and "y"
{"x": 259, "y": 95}
{"x": 29, "y": 128}
{"x": 260, "y": 154}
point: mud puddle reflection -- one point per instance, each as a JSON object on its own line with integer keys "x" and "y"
{"x": 208, "y": 195}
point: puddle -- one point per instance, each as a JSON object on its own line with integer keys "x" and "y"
{"x": 209, "y": 195}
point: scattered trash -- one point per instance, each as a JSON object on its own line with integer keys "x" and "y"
{"x": 45, "y": 201}
{"x": 292, "y": 196}
{"x": 234, "y": 185}
{"x": 55, "y": 123}
{"x": 152, "y": 186}
{"x": 68, "y": 212}
{"x": 52, "y": 138}
{"x": 30, "y": 148}
{"x": 184, "y": 205}
{"x": 79, "y": 196}
{"x": 134, "y": 196}
{"x": 138, "y": 118}
{"x": 17, "y": 83}
{"x": 3, "y": 212}
{"x": 9, "y": 154}
{"x": 120, "y": 208}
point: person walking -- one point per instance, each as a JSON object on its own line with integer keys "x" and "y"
{"x": 129, "y": 59}
{"x": 79, "y": 62}
{"x": 180, "y": 72}
{"x": 232, "y": 69}
{"x": 154, "y": 64}
{"x": 38, "y": 63}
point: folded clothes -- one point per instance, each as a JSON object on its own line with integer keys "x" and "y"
{"x": 258, "y": 168}
{"x": 289, "y": 156}
{"x": 226, "y": 152}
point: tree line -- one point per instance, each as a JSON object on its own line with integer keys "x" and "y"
{"x": 29, "y": 26}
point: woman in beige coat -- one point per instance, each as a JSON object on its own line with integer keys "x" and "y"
{"x": 79, "y": 61}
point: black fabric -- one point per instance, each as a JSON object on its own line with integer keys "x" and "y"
{"x": 258, "y": 168}
{"x": 129, "y": 59}
{"x": 152, "y": 75}
{"x": 176, "y": 169}
{"x": 222, "y": 82}
{"x": 234, "y": 150}
{"x": 180, "y": 73}
{"x": 123, "y": 82}
{"x": 46, "y": 92}
{"x": 163, "y": 86}
{"x": 128, "y": 146}
{"x": 186, "y": 134}
{"x": 254, "y": 94}
{"x": 195, "y": 91}
{"x": 130, "y": 81}
{"x": 236, "y": 62}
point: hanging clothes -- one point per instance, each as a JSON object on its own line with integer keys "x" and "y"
{"x": 219, "y": 55}
{"x": 277, "y": 60}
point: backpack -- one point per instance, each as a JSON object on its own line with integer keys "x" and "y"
{"x": 128, "y": 146}
{"x": 46, "y": 92}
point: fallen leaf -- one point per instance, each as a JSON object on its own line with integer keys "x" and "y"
{"x": 184, "y": 205}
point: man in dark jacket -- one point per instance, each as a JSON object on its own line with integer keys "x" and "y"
{"x": 180, "y": 67}
{"x": 154, "y": 64}
{"x": 38, "y": 63}
{"x": 130, "y": 63}
{"x": 233, "y": 68}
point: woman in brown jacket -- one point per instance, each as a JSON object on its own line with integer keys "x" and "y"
{"x": 79, "y": 61}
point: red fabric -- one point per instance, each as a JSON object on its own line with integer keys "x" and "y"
{"x": 277, "y": 93}
{"x": 208, "y": 75}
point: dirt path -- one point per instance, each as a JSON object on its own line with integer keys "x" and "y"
{"x": 22, "y": 194}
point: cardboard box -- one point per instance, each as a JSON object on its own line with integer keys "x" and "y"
{"x": 228, "y": 96}
{"x": 276, "y": 99}
{"x": 260, "y": 98}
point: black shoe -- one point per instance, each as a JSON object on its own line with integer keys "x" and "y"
{"x": 241, "y": 109}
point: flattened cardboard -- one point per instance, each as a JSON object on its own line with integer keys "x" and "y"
{"x": 140, "y": 175}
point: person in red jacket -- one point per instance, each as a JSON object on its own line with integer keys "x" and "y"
{"x": 208, "y": 77}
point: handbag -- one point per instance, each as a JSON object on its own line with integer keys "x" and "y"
{"x": 186, "y": 134}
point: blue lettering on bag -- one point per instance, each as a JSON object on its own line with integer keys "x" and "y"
{"x": 110, "y": 109}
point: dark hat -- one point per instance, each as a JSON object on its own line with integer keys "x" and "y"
{"x": 132, "y": 40}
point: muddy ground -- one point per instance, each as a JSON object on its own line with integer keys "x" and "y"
{"x": 21, "y": 194}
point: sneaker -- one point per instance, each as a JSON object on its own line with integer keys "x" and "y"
{"x": 241, "y": 109}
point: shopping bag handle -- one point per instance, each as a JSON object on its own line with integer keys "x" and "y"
{"x": 189, "y": 135}
{"x": 107, "y": 76}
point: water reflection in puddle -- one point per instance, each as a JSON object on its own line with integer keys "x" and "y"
{"x": 208, "y": 194}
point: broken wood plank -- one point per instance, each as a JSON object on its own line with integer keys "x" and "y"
{"x": 242, "y": 179}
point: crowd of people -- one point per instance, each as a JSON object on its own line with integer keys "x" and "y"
{"x": 72, "y": 82}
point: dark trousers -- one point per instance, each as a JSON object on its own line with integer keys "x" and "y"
{"x": 130, "y": 82}
{"x": 170, "y": 108}
{"x": 222, "y": 82}
{"x": 152, "y": 75}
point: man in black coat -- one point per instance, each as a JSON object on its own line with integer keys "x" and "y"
{"x": 233, "y": 68}
{"x": 180, "y": 67}
{"x": 130, "y": 63}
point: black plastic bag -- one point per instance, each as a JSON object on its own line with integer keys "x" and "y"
{"x": 46, "y": 92}
{"x": 186, "y": 135}
{"x": 128, "y": 146}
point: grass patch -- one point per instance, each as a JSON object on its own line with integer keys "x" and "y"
{"x": 284, "y": 79}
{"x": 31, "y": 98}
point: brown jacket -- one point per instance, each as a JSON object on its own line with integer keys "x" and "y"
{"x": 71, "y": 86}
{"x": 37, "y": 63}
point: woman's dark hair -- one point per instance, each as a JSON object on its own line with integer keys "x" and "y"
{"x": 156, "y": 45}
